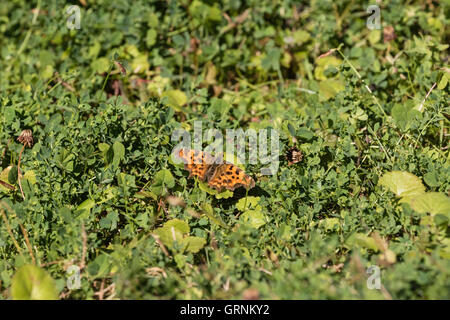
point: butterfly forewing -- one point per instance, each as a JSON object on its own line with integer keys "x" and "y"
{"x": 196, "y": 162}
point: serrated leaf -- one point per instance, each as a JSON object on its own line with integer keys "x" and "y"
{"x": 430, "y": 202}
{"x": 402, "y": 183}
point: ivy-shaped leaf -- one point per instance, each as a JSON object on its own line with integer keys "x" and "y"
{"x": 33, "y": 283}
{"x": 403, "y": 184}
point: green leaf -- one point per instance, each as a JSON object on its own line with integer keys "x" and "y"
{"x": 361, "y": 240}
{"x": 168, "y": 236}
{"x": 100, "y": 267}
{"x": 253, "y": 218}
{"x": 209, "y": 212}
{"x": 175, "y": 98}
{"x": 374, "y": 36}
{"x": 403, "y": 184}
{"x": 140, "y": 64}
{"x": 119, "y": 153}
{"x": 330, "y": 224}
{"x": 173, "y": 231}
{"x": 85, "y": 207}
{"x": 272, "y": 59}
{"x": 110, "y": 221}
{"x": 300, "y": 36}
{"x": 441, "y": 220}
{"x": 330, "y": 87}
{"x": 33, "y": 283}
{"x": 180, "y": 260}
{"x": 323, "y": 64}
{"x": 285, "y": 232}
{"x": 430, "y": 202}
{"x": 13, "y": 175}
{"x": 163, "y": 179}
{"x": 87, "y": 204}
{"x": 103, "y": 147}
{"x": 248, "y": 203}
{"x": 4, "y": 177}
{"x": 444, "y": 81}
{"x": 146, "y": 194}
{"x": 431, "y": 179}
{"x": 305, "y": 134}
{"x": 178, "y": 224}
{"x": 404, "y": 115}
{"x": 10, "y": 114}
{"x": 225, "y": 194}
{"x": 150, "y": 38}
{"x": 100, "y": 65}
{"x": 194, "y": 244}
{"x": 30, "y": 176}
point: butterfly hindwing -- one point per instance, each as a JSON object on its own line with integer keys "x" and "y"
{"x": 229, "y": 176}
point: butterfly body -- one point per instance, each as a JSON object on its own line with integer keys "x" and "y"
{"x": 220, "y": 175}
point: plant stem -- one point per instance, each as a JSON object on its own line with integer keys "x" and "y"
{"x": 106, "y": 79}
{"x": 245, "y": 202}
{"x": 18, "y": 172}
{"x": 27, "y": 241}
{"x": 8, "y": 228}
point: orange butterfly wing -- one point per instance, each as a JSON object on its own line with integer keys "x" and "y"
{"x": 229, "y": 176}
{"x": 196, "y": 162}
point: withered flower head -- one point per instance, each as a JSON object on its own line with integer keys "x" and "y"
{"x": 26, "y": 138}
{"x": 294, "y": 155}
{"x": 389, "y": 34}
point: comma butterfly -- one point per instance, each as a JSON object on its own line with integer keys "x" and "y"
{"x": 218, "y": 175}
